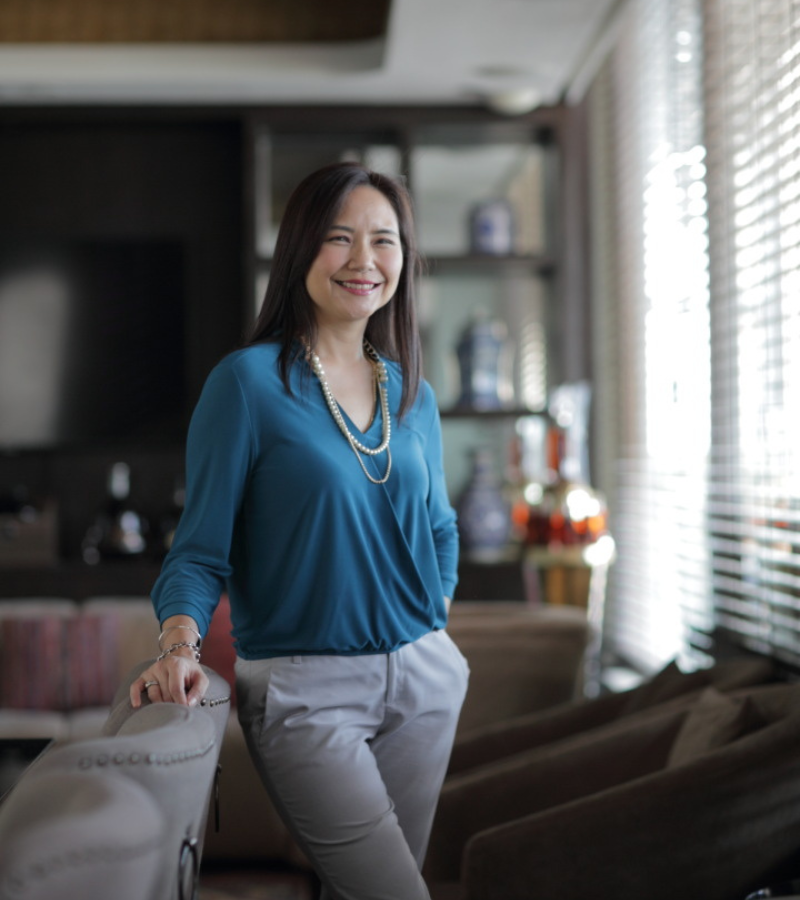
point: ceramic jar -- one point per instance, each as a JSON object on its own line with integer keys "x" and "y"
{"x": 484, "y": 521}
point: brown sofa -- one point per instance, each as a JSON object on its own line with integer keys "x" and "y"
{"x": 694, "y": 797}
{"x": 514, "y": 734}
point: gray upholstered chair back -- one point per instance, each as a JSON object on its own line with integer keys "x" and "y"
{"x": 132, "y": 806}
{"x": 93, "y": 836}
{"x": 184, "y": 785}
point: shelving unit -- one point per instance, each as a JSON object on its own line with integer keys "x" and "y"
{"x": 488, "y": 415}
{"x": 78, "y": 581}
{"x": 542, "y": 265}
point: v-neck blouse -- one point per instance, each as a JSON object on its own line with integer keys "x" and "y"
{"x": 316, "y": 558}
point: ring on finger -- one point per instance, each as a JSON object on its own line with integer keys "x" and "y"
{"x": 149, "y": 684}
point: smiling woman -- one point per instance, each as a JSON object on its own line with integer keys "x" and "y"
{"x": 315, "y": 495}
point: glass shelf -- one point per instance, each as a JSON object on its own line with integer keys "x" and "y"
{"x": 455, "y": 412}
{"x": 540, "y": 264}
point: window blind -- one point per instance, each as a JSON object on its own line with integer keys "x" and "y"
{"x": 653, "y": 370}
{"x": 752, "y": 86}
{"x": 696, "y": 209}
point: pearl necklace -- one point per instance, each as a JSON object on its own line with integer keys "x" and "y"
{"x": 381, "y": 380}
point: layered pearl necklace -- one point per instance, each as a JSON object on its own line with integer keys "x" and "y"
{"x": 381, "y": 381}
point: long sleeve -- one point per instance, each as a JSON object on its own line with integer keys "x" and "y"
{"x": 219, "y": 454}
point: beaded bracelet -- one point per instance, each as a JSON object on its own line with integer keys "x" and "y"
{"x": 174, "y": 647}
{"x": 186, "y": 628}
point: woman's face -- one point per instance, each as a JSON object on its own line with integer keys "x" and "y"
{"x": 358, "y": 267}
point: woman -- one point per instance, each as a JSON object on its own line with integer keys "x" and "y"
{"x": 316, "y": 497}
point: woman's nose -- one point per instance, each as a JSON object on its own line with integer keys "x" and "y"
{"x": 361, "y": 257}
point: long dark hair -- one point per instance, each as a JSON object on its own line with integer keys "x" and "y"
{"x": 287, "y": 312}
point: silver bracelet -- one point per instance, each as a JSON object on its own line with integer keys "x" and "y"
{"x": 174, "y": 647}
{"x": 185, "y": 627}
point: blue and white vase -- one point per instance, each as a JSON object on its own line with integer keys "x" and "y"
{"x": 492, "y": 228}
{"x": 484, "y": 517}
{"x": 480, "y": 352}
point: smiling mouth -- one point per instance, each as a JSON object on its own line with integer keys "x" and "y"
{"x": 359, "y": 285}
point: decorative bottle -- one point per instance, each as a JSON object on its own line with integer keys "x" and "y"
{"x": 564, "y": 512}
{"x": 118, "y": 530}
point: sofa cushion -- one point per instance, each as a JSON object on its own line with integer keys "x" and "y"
{"x": 521, "y": 659}
{"x": 660, "y": 686}
{"x": 713, "y": 721}
{"x": 138, "y": 628}
{"x": 31, "y": 653}
{"x": 56, "y": 656}
{"x": 725, "y": 675}
{"x": 91, "y": 658}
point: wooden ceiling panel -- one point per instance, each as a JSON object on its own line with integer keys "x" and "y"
{"x": 190, "y": 21}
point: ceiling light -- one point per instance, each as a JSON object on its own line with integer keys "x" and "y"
{"x": 495, "y": 70}
{"x": 514, "y": 101}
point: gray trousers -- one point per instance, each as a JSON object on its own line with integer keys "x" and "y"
{"x": 353, "y": 751}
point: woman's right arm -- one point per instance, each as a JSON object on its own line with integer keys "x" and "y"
{"x": 219, "y": 457}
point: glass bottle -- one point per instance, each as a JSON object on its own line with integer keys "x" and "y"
{"x": 118, "y": 530}
{"x": 563, "y": 512}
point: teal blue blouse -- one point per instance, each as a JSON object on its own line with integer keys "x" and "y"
{"x": 316, "y": 559}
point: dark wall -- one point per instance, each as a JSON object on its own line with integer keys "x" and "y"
{"x": 144, "y": 179}
{"x": 147, "y": 176}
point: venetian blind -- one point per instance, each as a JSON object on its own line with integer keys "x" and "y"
{"x": 752, "y": 79}
{"x": 696, "y": 150}
{"x": 652, "y": 346}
